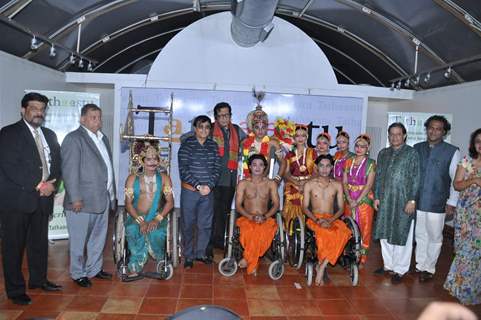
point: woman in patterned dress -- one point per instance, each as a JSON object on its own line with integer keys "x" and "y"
{"x": 358, "y": 180}
{"x": 464, "y": 277}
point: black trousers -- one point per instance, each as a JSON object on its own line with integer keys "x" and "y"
{"x": 223, "y": 196}
{"x": 24, "y": 230}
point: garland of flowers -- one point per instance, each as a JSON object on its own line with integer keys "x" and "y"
{"x": 284, "y": 130}
{"x": 246, "y": 147}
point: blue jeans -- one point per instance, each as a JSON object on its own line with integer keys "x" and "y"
{"x": 196, "y": 212}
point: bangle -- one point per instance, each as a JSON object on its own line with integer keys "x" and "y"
{"x": 139, "y": 219}
{"x": 278, "y": 178}
{"x": 159, "y": 217}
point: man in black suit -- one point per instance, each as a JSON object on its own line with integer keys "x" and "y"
{"x": 29, "y": 171}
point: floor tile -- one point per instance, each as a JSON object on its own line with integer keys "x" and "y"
{"x": 258, "y": 307}
{"x": 164, "y": 306}
{"x": 229, "y": 292}
{"x": 123, "y": 305}
{"x": 125, "y": 289}
{"x": 301, "y": 308}
{"x": 163, "y": 291}
{"x": 187, "y": 303}
{"x": 77, "y": 315}
{"x": 87, "y": 303}
{"x": 196, "y": 292}
{"x": 9, "y": 314}
{"x": 237, "y": 306}
{"x": 262, "y": 292}
{"x": 336, "y": 307}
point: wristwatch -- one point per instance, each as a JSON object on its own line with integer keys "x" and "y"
{"x": 198, "y": 187}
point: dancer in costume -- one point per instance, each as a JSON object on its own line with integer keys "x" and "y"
{"x": 300, "y": 168}
{"x": 148, "y": 200}
{"x": 258, "y": 142}
{"x": 342, "y": 154}
{"x": 359, "y": 174}
{"x": 257, "y": 227}
{"x": 323, "y": 143}
{"x": 332, "y": 235}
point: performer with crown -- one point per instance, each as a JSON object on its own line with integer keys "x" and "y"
{"x": 148, "y": 200}
{"x": 258, "y": 142}
{"x": 300, "y": 168}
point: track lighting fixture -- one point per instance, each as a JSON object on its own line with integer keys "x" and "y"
{"x": 448, "y": 72}
{"x": 427, "y": 77}
{"x": 71, "y": 60}
{"x": 34, "y": 43}
{"x": 90, "y": 67}
{"x": 81, "y": 63}
{"x": 52, "y": 53}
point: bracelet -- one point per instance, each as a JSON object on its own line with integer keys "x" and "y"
{"x": 159, "y": 217}
{"x": 278, "y": 178}
{"x": 139, "y": 219}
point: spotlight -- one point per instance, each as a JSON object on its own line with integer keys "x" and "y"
{"x": 80, "y": 63}
{"x": 71, "y": 60}
{"x": 90, "y": 67}
{"x": 427, "y": 77}
{"x": 398, "y": 86}
{"x": 52, "y": 52}
{"x": 392, "y": 86}
{"x": 34, "y": 43}
{"x": 416, "y": 80}
{"x": 448, "y": 72}
{"x": 407, "y": 83}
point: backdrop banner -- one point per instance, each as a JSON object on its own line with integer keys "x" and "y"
{"x": 321, "y": 113}
{"x": 63, "y": 115}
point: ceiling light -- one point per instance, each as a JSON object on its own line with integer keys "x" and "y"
{"x": 393, "y": 85}
{"x": 71, "y": 60}
{"x": 416, "y": 80}
{"x": 398, "y": 86}
{"x": 407, "y": 83}
{"x": 80, "y": 63}
{"x": 448, "y": 72}
{"x": 427, "y": 77}
{"x": 52, "y": 52}
{"x": 34, "y": 43}
{"x": 90, "y": 67}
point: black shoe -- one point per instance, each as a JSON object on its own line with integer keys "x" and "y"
{"x": 205, "y": 260}
{"x": 103, "y": 275}
{"x": 425, "y": 276}
{"x": 84, "y": 282}
{"x": 396, "y": 278}
{"x": 22, "y": 300}
{"x": 380, "y": 271}
{"x": 47, "y": 286}
{"x": 188, "y": 264}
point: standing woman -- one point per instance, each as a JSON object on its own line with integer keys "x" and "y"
{"x": 342, "y": 154}
{"x": 358, "y": 180}
{"x": 323, "y": 143}
{"x": 300, "y": 164}
{"x": 464, "y": 279}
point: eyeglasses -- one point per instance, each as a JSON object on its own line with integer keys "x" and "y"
{"x": 223, "y": 115}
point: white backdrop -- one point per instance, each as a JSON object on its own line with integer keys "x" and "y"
{"x": 330, "y": 111}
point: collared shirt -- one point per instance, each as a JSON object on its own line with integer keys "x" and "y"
{"x": 46, "y": 148}
{"x": 98, "y": 140}
{"x": 199, "y": 164}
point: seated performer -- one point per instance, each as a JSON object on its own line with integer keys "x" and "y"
{"x": 331, "y": 234}
{"x": 257, "y": 227}
{"x": 148, "y": 200}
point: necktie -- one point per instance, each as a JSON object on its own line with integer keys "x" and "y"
{"x": 38, "y": 142}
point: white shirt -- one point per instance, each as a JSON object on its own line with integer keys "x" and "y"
{"x": 97, "y": 139}
{"x": 46, "y": 148}
{"x": 453, "y": 194}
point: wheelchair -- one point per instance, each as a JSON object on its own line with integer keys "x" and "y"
{"x": 233, "y": 253}
{"x": 295, "y": 236}
{"x": 164, "y": 268}
{"x": 349, "y": 259}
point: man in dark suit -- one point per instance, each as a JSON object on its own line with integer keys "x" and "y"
{"x": 89, "y": 195}
{"x": 29, "y": 171}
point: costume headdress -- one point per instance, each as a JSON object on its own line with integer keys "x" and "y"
{"x": 256, "y": 116}
{"x": 343, "y": 134}
{"x": 325, "y": 135}
{"x": 365, "y": 137}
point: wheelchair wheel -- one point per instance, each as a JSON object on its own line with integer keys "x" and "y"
{"x": 167, "y": 271}
{"x": 296, "y": 237}
{"x": 282, "y": 236}
{"x": 354, "y": 270}
{"x": 276, "y": 270}
{"x": 309, "y": 273}
{"x": 353, "y": 248}
{"x": 227, "y": 267}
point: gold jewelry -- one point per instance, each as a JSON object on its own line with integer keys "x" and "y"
{"x": 129, "y": 192}
{"x": 159, "y": 217}
{"x": 139, "y": 219}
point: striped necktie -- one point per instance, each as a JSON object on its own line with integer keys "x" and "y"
{"x": 38, "y": 142}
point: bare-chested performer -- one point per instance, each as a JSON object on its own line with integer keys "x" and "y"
{"x": 257, "y": 227}
{"x": 146, "y": 225}
{"x": 331, "y": 234}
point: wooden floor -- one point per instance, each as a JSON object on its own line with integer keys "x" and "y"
{"x": 251, "y": 297}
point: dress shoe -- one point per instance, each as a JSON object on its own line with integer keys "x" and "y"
{"x": 21, "y": 300}
{"x": 396, "y": 278}
{"x": 425, "y": 276}
{"x": 84, "y": 282}
{"x": 188, "y": 264}
{"x": 47, "y": 286}
{"x": 205, "y": 260}
{"x": 103, "y": 275}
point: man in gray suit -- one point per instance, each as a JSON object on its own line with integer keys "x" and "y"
{"x": 90, "y": 194}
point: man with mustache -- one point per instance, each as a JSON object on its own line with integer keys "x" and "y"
{"x": 29, "y": 173}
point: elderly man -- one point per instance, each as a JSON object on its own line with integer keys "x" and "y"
{"x": 227, "y": 136}
{"x": 199, "y": 168}
{"x": 89, "y": 195}
{"x": 436, "y": 194}
{"x": 29, "y": 171}
{"x": 396, "y": 187}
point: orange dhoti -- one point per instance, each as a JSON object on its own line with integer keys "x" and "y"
{"x": 255, "y": 239}
{"x": 363, "y": 214}
{"x": 330, "y": 241}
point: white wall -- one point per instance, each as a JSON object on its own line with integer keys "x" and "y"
{"x": 18, "y": 74}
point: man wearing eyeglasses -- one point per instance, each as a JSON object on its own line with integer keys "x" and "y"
{"x": 227, "y": 136}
